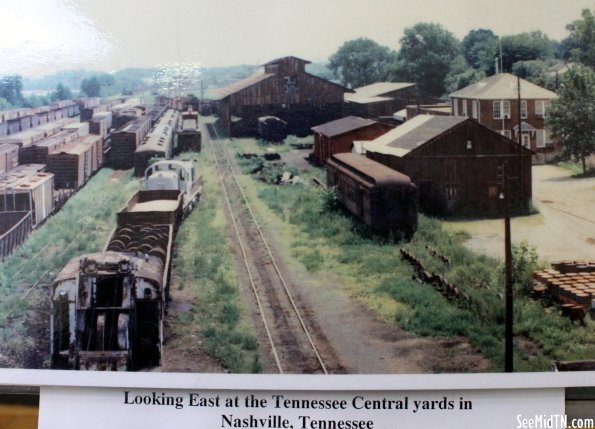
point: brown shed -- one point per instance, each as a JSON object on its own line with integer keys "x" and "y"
{"x": 338, "y": 136}
{"x": 455, "y": 162}
{"x": 283, "y": 89}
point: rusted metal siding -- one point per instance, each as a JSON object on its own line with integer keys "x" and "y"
{"x": 384, "y": 199}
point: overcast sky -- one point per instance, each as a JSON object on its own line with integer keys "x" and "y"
{"x": 43, "y": 36}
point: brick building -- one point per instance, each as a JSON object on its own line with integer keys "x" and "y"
{"x": 493, "y": 102}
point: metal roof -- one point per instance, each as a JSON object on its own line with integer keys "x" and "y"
{"x": 243, "y": 84}
{"x": 412, "y": 134}
{"x": 374, "y": 92}
{"x": 375, "y": 172}
{"x": 503, "y": 86}
{"x": 342, "y": 126}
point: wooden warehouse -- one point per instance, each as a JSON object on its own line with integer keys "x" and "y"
{"x": 283, "y": 89}
{"x": 455, "y": 161}
{"x": 338, "y": 136}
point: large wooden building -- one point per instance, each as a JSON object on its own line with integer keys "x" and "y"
{"x": 494, "y": 103}
{"x": 338, "y": 136}
{"x": 283, "y": 89}
{"x": 455, "y": 163}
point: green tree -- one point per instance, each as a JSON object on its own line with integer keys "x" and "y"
{"x": 427, "y": 50}
{"x": 526, "y": 47}
{"x": 62, "y": 92}
{"x": 480, "y": 48}
{"x": 11, "y": 89}
{"x": 461, "y": 74}
{"x": 535, "y": 71}
{"x": 571, "y": 117}
{"x": 361, "y": 62}
{"x": 582, "y": 39}
{"x": 91, "y": 87}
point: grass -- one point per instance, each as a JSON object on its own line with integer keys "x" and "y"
{"x": 576, "y": 169}
{"x": 83, "y": 225}
{"x": 330, "y": 240}
{"x": 205, "y": 269}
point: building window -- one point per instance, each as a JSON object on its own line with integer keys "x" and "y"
{"x": 474, "y": 109}
{"x": 526, "y": 139}
{"x": 501, "y": 109}
{"x": 541, "y": 107}
{"x": 544, "y": 138}
{"x": 523, "y": 109}
{"x": 506, "y": 108}
{"x": 497, "y": 110}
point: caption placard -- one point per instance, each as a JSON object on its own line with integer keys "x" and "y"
{"x": 161, "y": 409}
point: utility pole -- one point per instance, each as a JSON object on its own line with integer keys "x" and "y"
{"x": 504, "y": 195}
{"x": 520, "y": 148}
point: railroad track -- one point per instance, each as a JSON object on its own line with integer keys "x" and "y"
{"x": 291, "y": 338}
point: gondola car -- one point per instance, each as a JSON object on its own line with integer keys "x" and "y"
{"x": 383, "y": 198}
{"x": 108, "y": 307}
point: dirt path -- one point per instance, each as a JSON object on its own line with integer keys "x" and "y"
{"x": 563, "y": 229}
{"x": 366, "y": 344}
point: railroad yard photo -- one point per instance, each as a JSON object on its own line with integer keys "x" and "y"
{"x": 287, "y": 189}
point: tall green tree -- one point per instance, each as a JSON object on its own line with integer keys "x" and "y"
{"x": 461, "y": 74}
{"x": 91, "y": 87}
{"x": 11, "y": 89}
{"x": 480, "y": 48}
{"x": 582, "y": 39}
{"x": 571, "y": 116}
{"x": 525, "y": 47}
{"x": 427, "y": 51}
{"x": 361, "y": 62}
{"x": 62, "y": 92}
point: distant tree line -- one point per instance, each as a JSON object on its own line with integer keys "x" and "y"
{"x": 434, "y": 59}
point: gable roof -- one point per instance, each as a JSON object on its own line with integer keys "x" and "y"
{"x": 412, "y": 134}
{"x": 503, "y": 86}
{"x": 281, "y": 59}
{"x": 242, "y": 84}
{"x": 342, "y": 126}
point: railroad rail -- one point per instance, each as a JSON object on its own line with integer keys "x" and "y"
{"x": 290, "y": 338}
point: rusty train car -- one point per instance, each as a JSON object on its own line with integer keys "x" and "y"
{"x": 108, "y": 307}
{"x": 158, "y": 143}
{"x": 383, "y": 198}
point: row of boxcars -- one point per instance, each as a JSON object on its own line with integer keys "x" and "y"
{"x": 57, "y": 157}
{"x": 383, "y": 198}
{"x": 108, "y": 307}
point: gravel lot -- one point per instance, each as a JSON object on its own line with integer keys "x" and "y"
{"x": 563, "y": 229}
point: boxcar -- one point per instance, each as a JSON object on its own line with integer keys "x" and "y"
{"x": 9, "y": 157}
{"x": 383, "y": 198}
{"x": 125, "y": 141}
{"x": 28, "y": 187}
